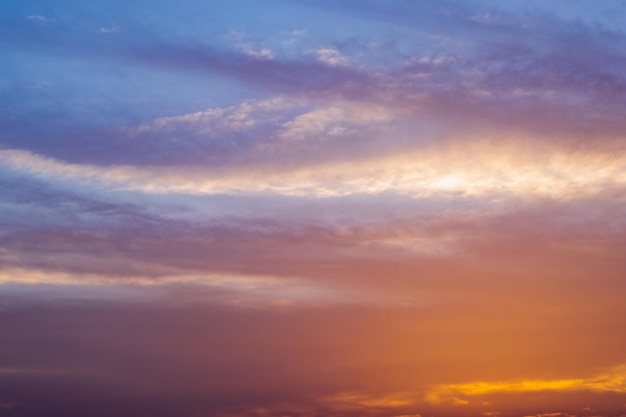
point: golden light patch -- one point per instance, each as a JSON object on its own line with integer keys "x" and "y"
{"x": 612, "y": 381}
{"x": 372, "y": 400}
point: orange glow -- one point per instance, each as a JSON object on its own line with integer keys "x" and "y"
{"x": 614, "y": 381}
{"x": 379, "y": 208}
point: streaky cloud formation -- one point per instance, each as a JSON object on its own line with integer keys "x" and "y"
{"x": 372, "y": 208}
{"x": 482, "y": 169}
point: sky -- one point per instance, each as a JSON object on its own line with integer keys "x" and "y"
{"x": 312, "y": 208}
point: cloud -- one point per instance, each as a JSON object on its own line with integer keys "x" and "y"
{"x": 40, "y": 18}
{"x": 611, "y": 381}
{"x": 332, "y": 57}
{"x": 421, "y": 218}
{"x": 242, "y": 291}
{"x": 112, "y": 29}
{"x": 528, "y": 79}
{"x": 243, "y": 116}
{"x": 34, "y": 277}
{"x": 262, "y": 53}
{"x": 481, "y": 169}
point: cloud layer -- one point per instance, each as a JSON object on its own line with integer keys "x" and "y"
{"x": 314, "y": 209}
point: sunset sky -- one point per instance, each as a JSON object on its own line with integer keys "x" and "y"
{"x": 303, "y": 208}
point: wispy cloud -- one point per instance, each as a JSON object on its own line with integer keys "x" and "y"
{"x": 40, "y": 18}
{"x": 611, "y": 381}
{"x": 111, "y": 29}
{"x": 483, "y": 169}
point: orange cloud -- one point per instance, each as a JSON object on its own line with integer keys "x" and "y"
{"x": 612, "y": 381}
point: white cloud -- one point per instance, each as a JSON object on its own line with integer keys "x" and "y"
{"x": 40, "y": 18}
{"x": 333, "y": 120}
{"x": 264, "y": 53}
{"x": 332, "y": 57}
{"x": 234, "y": 118}
{"x": 112, "y": 29}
